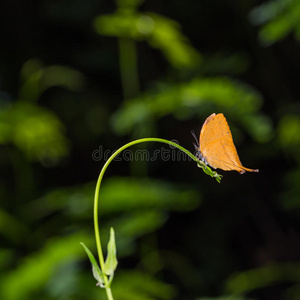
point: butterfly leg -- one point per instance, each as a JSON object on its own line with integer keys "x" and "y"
{"x": 204, "y": 160}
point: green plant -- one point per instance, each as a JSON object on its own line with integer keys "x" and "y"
{"x": 105, "y": 272}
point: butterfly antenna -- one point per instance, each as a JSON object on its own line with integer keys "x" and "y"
{"x": 196, "y": 145}
{"x": 195, "y": 137}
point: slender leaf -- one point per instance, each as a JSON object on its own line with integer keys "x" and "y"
{"x": 111, "y": 261}
{"x": 95, "y": 268}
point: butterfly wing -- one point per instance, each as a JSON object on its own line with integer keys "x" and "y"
{"x": 217, "y": 147}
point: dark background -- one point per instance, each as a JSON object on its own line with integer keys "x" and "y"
{"x": 81, "y": 77}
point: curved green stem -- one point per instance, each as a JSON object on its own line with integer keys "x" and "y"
{"x": 206, "y": 169}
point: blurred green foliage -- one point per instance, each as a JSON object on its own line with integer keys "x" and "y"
{"x": 37, "y": 79}
{"x": 279, "y": 18}
{"x": 192, "y": 99}
{"x": 118, "y": 195}
{"x": 35, "y": 271}
{"x": 225, "y": 298}
{"x": 289, "y": 198}
{"x": 179, "y": 235}
{"x": 34, "y": 130}
{"x": 258, "y": 278}
{"x": 288, "y": 135}
{"x": 160, "y": 32}
{"x": 138, "y": 285}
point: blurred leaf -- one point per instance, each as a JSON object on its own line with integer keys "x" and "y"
{"x": 37, "y": 79}
{"x": 192, "y": 98}
{"x": 248, "y": 281}
{"x": 65, "y": 283}
{"x": 293, "y": 293}
{"x": 6, "y": 258}
{"x": 129, "y": 4}
{"x": 74, "y": 201}
{"x": 160, "y": 32}
{"x": 111, "y": 261}
{"x": 226, "y": 298}
{"x": 30, "y": 67}
{"x": 135, "y": 212}
{"x": 289, "y": 197}
{"x": 95, "y": 268}
{"x": 32, "y": 273}
{"x": 223, "y": 63}
{"x": 131, "y": 226}
{"x": 137, "y": 285}
{"x": 259, "y": 126}
{"x": 117, "y": 194}
{"x": 280, "y": 17}
{"x": 288, "y": 134}
{"x": 34, "y": 130}
{"x": 12, "y": 228}
{"x": 127, "y": 194}
{"x": 139, "y": 223}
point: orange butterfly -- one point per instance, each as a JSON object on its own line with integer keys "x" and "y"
{"x": 216, "y": 145}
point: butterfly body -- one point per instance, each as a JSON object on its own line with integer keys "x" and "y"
{"x": 216, "y": 147}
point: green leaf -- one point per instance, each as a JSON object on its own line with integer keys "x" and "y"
{"x": 278, "y": 19}
{"x": 191, "y": 99}
{"x": 158, "y": 31}
{"x": 35, "y": 271}
{"x": 111, "y": 261}
{"x": 142, "y": 286}
{"x": 34, "y": 130}
{"x": 37, "y": 79}
{"x": 254, "y": 279}
{"x": 98, "y": 275}
{"x": 206, "y": 169}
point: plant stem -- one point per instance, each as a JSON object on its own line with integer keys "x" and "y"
{"x": 96, "y": 198}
